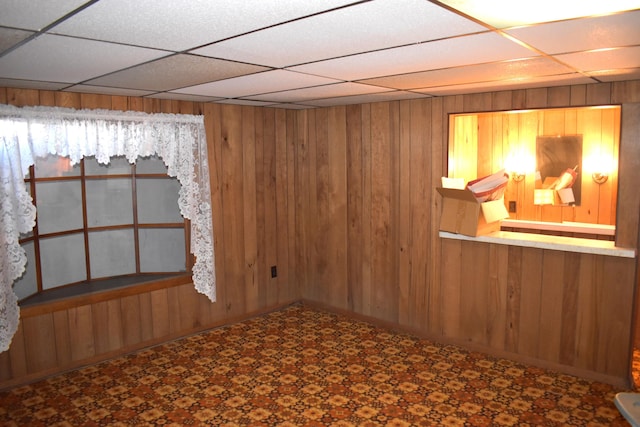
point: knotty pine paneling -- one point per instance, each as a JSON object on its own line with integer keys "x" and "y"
{"x": 251, "y": 161}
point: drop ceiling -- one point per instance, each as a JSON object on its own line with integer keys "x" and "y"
{"x": 304, "y": 54}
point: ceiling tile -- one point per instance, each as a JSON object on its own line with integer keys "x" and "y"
{"x": 244, "y": 102}
{"x": 35, "y": 14}
{"x": 567, "y": 79}
{"x": 183, "y": 97}
{"x": 10, "y": 37}
{"x": 583, "y": 34}
{"x": 365, "y": 99}
{"x": 107, "y": 90}
{"x": 610, "y": 59}
{"x": 510, "y": 13}
{"x": 290, "y": 106}
{"x": 29, "y": 84}
{"x": 175, "y": 72}
{"x": 526, "y": 68}
{"x": 254, "y": 84}
{"x": 65, "y": 59}
{"x": 424, "y": 56}
{"x": 328, "y": 91}
{"x": 617, "y": 75}
{"x": 180, "y": 25}
{"x": 364, "y": 27}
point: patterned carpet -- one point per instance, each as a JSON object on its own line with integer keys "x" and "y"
{"x": 304, "y": 367}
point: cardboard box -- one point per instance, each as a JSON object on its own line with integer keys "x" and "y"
{"x": 463, "y": 214}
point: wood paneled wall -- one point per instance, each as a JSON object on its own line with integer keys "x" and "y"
{"x": 342, "y": 200}
{"x": 371, "y": 246}
{"x": 252, "y": 182}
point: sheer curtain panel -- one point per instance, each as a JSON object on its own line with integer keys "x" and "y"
{"x": 31, "y": 132}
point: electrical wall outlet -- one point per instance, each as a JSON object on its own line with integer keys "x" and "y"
{"x": 274, "y": 271}
{"x": 512, "y": 206}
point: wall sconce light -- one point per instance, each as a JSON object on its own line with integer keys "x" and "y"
{"x": 518, "y": 176}
{"x": 599, "y": 177}
{"x": 518, "y": 164}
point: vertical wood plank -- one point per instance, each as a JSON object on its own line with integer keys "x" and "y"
{"x": 355, "y": 208}
{"x": 18, "y": 353}
{"x": 270, "y": 204}
{"x": 281, "y": 203}
{"x": 62, "y": 337}
{"x": 81, "y": 332}
{"x": 40, "y": 330}
{"x": 552, "y": 288}
{"x": 232, "y": 189}
{"x": 474, "y": 284}
{"x": 337, "y": 206}
{"x": 514, "y": 297}
{"x": 568, "y": 325}
{"x": 160, "y": 313}
{"x": 421, "y": 187}
{"x": 450, "y": 272}
{"x": 629, "y": 177}
{"x": 405, "y": 241}
{"x": 367, "y": 238}
{"x": 531, "y": 301}
{"x": 107, "y": 326}
{"x": 252, "y": 279}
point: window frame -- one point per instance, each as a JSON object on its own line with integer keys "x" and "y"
{"x": 91, "y": 284}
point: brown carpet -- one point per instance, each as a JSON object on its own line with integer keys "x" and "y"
{"x": 304, "y": 367}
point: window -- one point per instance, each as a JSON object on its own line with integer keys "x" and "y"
{"x": 98, "y": 222}
{"x": 584, "y": 140}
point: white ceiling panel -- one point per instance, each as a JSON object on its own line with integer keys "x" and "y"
{"x": 497, "y": 71}
{"x": 424, "y": 56}
{"x": 182, "y": 25}
{"x": 328, "y": 91}
{"x": 368, "y": 26}
{"x": 627, "y": 57}
{"x": 617, "y": 75}
{"x": 107, "y": 90}
{"x": 393, "y": 95}
{"x": 244, "y": 102}
{"x": 583, "y": 34}
{"x": 254, "y": 84}
{"x": 65, "y": 59}
{"x": 306, "y": 54}
{"x": 30, "y": 84}
{"x": 534, "y": 82}
{"x": 174, "y": 72}
{"x": 9, "y": 37}
{"x": 34, "y": 14}
{"x": 510, "y": 13}
{"x": 183, "y": 97}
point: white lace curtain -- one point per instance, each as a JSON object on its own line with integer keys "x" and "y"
{"x": 30, "y": 132}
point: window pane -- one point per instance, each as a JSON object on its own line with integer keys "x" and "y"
{"x": 162, "y": 250}
{"x": 109, "y": 202}
{"x": 112, "y": 253}
{"x": 63, "y": 261}
{"x": 27, "y": 285}
{"x": 158, "y": 200}
{"x": 152, "y": 164}
{"x": 117, "y": 165}
{"x": 59, "y": 206}
{"x": 55, "y": 166}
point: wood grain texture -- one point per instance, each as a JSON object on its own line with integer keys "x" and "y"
{"x": 342, "y": 199}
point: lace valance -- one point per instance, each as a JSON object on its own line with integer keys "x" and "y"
{"x": 30, "y": 132}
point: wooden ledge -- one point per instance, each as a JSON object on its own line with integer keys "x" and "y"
{"x": 543, "y": 241}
